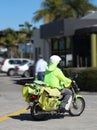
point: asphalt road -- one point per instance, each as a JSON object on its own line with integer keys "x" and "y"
{"x": 13, "y": 115}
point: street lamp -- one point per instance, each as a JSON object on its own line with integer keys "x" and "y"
{"x": 21, "y": 25}
{"x": 26, "y": 25}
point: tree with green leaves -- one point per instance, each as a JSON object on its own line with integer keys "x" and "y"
{"x": 59, "y": 9}
{"x": 9, "y": 39}
{"x": 26, "y": 31}
{"x": 80, "y": 7}
{"x": 12, "y": 38}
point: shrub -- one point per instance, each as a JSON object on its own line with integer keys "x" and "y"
{"x": 87, "y": 79}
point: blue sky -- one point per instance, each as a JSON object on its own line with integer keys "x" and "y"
{"x": 15, "y": 12}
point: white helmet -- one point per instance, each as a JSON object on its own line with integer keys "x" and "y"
{"x": 55, "y": 58}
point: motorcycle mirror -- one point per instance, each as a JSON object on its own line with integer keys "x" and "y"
{"x": 76, "y": 75}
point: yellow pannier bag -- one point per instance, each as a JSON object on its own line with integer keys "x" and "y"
{"x": 29, "y": 89}
{"x": 25, "y": 91}
{"x": 48, "y": 99}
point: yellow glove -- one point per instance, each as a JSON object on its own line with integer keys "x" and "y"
{"x": 67, "y": 85}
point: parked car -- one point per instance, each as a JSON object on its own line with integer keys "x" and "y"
{"x": 8, "y": 65}
{"x": 23, "y": 69}
{"x": 31, "y": 70}
{"x": 1, "y": 59}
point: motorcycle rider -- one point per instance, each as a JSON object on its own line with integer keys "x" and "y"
{"x": 54, "y": 77}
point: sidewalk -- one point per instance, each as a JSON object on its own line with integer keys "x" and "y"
{"x": 88, "y": 93}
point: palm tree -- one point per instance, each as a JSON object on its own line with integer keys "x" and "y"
{"x": 9, "y": 37}
{"x": 12, "y": 38}
{"x": 25, "y": 32}
{"x": 80, "y": 7}
{"x": 59, "y": 9}
{"x": 29, "y": 31}
{"x": 51, "y": 9}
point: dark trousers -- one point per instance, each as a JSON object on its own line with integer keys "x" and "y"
{"x": 41, "y": 76}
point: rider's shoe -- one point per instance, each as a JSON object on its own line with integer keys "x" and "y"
{"x": 61, "y": 110}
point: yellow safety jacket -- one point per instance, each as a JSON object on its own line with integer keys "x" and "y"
{"x": 54, "y": 77}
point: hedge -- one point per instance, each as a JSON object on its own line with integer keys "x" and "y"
{"x": 87, "y": 78}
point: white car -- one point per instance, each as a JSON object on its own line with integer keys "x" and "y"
{"x": 23, "y": 69}
{"x": 8, "y": 65}
{"x": 1, "y": 59}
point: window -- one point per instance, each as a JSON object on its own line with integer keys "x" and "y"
{"x": 55, "y": 45}
{"x": 24, "y": 61}
{"x": 14, "y": 62}
{"x": 17, "y": 61}
{"x": 68, "y": 45}
{"x": 61, "y": 44}
{"x": 62, "y": 47}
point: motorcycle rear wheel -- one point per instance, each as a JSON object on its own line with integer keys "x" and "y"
{"x": 77, "y": 106}
{"x": 36, "y": 113}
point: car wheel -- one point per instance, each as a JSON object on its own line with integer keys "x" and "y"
{"x": 26, "y": 74}
{"x": 11, "y": 72}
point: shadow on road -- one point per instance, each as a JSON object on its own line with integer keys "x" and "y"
{"x": 22, "y": 117}
{"x": 22, "y": 81}
{"x": 28, "y": 117}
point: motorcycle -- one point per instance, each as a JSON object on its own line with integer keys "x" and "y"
{"x": 38, "y": 112}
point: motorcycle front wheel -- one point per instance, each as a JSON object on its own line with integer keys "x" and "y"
{"x": 36, "y": 113}
{"x": 77, "y": 106}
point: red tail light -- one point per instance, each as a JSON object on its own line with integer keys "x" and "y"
{"x": 16, "y": 68}
{"x": 33, "y": 96}
{"x": 3, "y": 62}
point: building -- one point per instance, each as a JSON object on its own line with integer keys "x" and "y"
{"x": 75, "y": 40}
{"x": 41, "y": 46}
